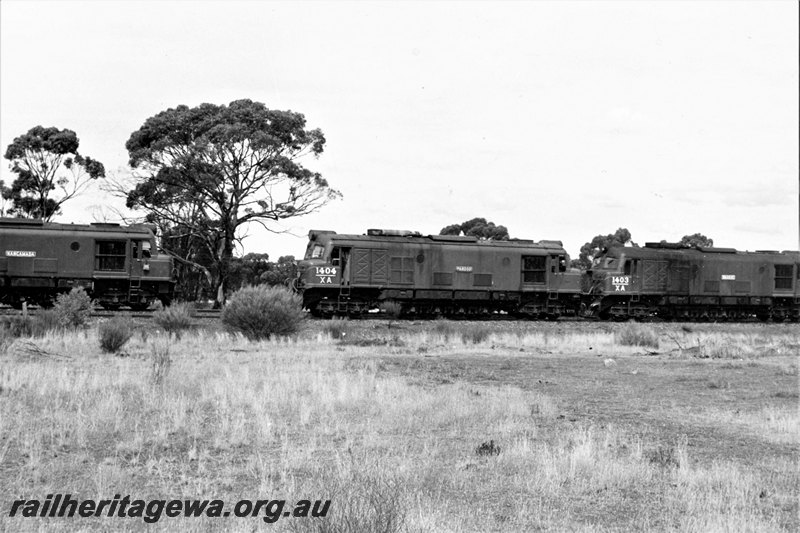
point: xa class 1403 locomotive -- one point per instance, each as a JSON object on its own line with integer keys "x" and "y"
{"x": 440, "y": 275}
{"x": 675, "y": 282}
{"x": 116, "y": 265}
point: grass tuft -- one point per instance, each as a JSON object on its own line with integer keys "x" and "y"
{"x": 487, "y": 448}
{"x": 337, "y": 328}
{"x": 636, "y": 335}
{"x": 174, "y": 319}
{"x": 114, "y": 334}
{"x": 160, "y": 363}
{"x": 475, "y": 335}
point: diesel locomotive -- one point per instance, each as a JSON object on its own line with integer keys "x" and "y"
{"x": 116, "y": 265}
{"x": 436, "y": 275}
{"x": 674, "y": 282}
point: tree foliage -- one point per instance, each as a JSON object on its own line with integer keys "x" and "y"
{"x": 210, "y": 170}
{"x": 280, "y": 273}
{"x": 5, "y": 198}
{"x": 257, "y": 269}
{"x": 591, "y": 249}
{"x": 698, "y": 239}
{"x": 49, "y": 170}
{"x": 477, "y": 227}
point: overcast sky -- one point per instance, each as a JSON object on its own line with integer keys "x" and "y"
{"x": 559, "y": 120}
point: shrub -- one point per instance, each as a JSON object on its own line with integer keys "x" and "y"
{"x": 114, "y": 334}
{"x": 30, "y": 326}
{"x": 636, "y": 335}
{"x": 174, "y": 319}
{"x": 260, "y": 312}
{"x": 73, "y": 308}
{"x": 391, "y": 309}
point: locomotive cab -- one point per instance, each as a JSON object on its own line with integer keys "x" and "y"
{"x": 323, "y": 270}
{"x": 612, "y": 274}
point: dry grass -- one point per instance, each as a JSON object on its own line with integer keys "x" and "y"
{"x": 389, "y": 432}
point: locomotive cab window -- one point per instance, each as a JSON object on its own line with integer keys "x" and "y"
{"x": 146, "y": 249}
{"x": 783, "y": 276}
{"x": 558, "y": 263}
{"x": 314, "y": 252}
{"x": 534, "y": 268}
{"x": 109, "y": 255}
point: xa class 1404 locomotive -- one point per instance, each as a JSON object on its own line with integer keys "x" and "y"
{"x": 436, "y": 275}
{"x": 116, "y": 265}
{"x": 461, "y": 276}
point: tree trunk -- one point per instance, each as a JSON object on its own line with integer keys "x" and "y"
{"x": 226, "y": 254}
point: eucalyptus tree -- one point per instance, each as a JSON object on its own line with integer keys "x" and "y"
{"x": 593, "y": 248}
{"x": 214, "y": 169}
{"x": 50, "y": 171}
{"x": 697, "y": 239}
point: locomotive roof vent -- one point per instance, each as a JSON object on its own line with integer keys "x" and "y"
{"x": 552, "y": 243}
{"x": 717, "y": 250}
{"x": 392, "y": 233}
{"x": 666, "y": 245}
{"x": 766, "y": 251}
{"x": 453, "y": 238}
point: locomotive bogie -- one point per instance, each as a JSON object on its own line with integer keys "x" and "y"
{"x": 116, "y": 265}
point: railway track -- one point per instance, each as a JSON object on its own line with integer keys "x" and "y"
{"x": 212, "y": 314}
{"x": 100, "y": 313}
